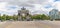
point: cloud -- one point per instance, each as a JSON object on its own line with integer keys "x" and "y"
{"x": 33, "y": 5}
{"x": 2, "y": 6}
{"x": 5, "y": 10}
{"x": 11, "y": 7}
{"x": 56, "y": 0}
{"x": 57, "y": 5}
{"x": 25, "y": 2}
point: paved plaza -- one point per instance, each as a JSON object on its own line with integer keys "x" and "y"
{"x": 30, "y": 24}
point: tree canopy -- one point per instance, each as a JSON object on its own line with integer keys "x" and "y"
{"x": 15, "y": 17}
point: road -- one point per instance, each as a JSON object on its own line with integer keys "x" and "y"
{"x": 30, "y": 24}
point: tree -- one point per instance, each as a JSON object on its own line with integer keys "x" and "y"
{"x": 15, "y": 17}
{"x": 40, "y": 17}
{"x": 3, "y": 18}
{"x": 37, "y": 17}
{"x": 44, "y": 17}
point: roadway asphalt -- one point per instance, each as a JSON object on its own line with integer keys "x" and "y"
{"x": 30, "y": 24}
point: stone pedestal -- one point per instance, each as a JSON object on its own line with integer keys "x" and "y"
{"x": 19, "y": 18}
{"x": 28, "y": 18}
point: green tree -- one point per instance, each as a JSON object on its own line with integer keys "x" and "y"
{"x": 15, "y": 17}
{"x": 36, "y": 17}
{"x": 44, "y": 17}
{"x": 3, "y": 18}
{"x": 40, "y": 17}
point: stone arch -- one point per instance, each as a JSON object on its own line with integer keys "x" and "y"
{"x": 23, "y": 12}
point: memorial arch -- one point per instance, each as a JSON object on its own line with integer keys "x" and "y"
{"x": 23, "y": 15}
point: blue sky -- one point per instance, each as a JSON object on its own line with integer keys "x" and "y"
{"x": 11, "y": 7}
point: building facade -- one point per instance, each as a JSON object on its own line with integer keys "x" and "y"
{"x": 54, "y": 14}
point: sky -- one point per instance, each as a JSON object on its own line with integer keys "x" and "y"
{"x": 11, "y": 7}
